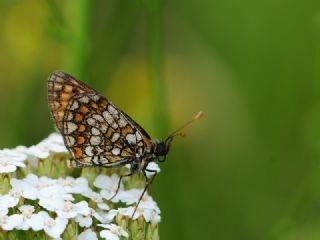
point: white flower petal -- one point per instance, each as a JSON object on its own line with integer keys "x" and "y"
{"x": 53, "y": 227}
{"x": 52, "y": 198}
{"x": 54, "y": 143}
{"x": 28, "y": 191}
{"x": 72, "y": 185}
{"x": 106, "y": 234}
{"x": 107, "y": 183}
{"x": 87, "y": 235}
{"x": 35, "y": 222}
{"x": 10, "y": 160}
{"x": 8, "y": 223}
{"x": 84, "y": 221}
{"x": 112, "y": 231}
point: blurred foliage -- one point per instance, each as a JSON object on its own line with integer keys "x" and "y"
{"x": 250, "y": 168}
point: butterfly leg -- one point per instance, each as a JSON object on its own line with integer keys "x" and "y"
{"x": 119, "y": 183}
{"x": 148, "y": 183}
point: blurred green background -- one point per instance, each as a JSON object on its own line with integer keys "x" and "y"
{"x": 250, "y": 169}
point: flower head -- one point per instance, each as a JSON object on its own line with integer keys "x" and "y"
{"x": 53, "y": 227}
{"x": 96, "y": 197}
{"x": 56, "y": 202}
{"x": 8, "y": 223}
{"x": 132, "y": 196}
{"x": 11, "y": 199}
{"x": 112, "y": 232}
{"x": 27, "y": 186}
{"x": 52, "y": 144}
{"x": 53, "y": 197}
{"x": 74, "y": 185}
{"x": 149, "y": 215}
{"x": 10, "y": 160}
{"x": 108, "y": 185}
{"x": 87, "y": 235}
{"x": 30, "y": 219}
{"x": 71, "y": 210}
{"x": 85, "y": 220}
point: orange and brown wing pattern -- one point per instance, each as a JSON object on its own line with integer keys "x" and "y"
{"x": 95, "y": 131}
{"x": 61, "y": 88}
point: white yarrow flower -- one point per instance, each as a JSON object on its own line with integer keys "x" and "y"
{"x": 132, "y": 196}
{"x": 27, "y": 186}
{"x": 108, "y": 185}
{"x": 53, "y": 227}
{"x": 54, "y": 143}
{"x": 96, "y": 197}
{"x": 58, "y": 196}
{"x": 32, "y": 185}
{"x": 112, "y": 232}
{"x": 71, "y": 210}
{"x": 8, "y": 223}
{"x": 30, "y": 220}
{"x": 87, "y": 235}
{"x": 11, "y": 199}
{"x": 147, "y": 207}
{"x": 10, "y": 160}
{"x": 53, "y": 197}
{"x": 74, "y": 185}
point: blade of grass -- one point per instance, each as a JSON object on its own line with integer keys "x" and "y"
{"x": 77, "y": 44}
{"x": 154, "y": 15}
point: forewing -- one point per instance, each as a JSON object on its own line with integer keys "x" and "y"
{"x": 61, "y": 88}
{"x": 95, "y": 131}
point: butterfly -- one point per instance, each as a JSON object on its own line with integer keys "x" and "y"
{"x": 99, "y": 134}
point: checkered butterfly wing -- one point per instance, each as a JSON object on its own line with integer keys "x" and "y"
{"x": 95, "y": 131}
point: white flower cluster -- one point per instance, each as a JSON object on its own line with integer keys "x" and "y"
{"x": 60, "y": 200}
{"x": 10, "y": 159}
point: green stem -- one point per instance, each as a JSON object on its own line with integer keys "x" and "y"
{"x": 155, "y": 64}
{"x": 78, "y": 19}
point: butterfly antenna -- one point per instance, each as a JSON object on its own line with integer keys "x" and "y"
{"x": 178, "y": 131}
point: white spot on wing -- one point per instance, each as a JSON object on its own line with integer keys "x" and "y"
{"x": 115, "y": 137}
{"x": 87, "y": 159}
{"x": 69, "y": 116}
{"x": 91, "y": 121}
{"x": 57, "y": 87}
{"x": 70, "y": 140}
{"x": 104, "y": 128}
{"x": 98, "y": 117}
{"x": 84, "y": 99}
{"x": 108, "y": 117}
{"x": 115, "y": 151}
{"x": 70, "y": 127}
{"x": 95, "y": 131}
{"x": 95, "y": 159}
{"x": 96, "y": 97}
{"x": 138, "y": 136}
{"x": 112, "y": 110}
{"x": 114, "y": 125}
{"x": 103, "y": 159}
{"x": 95, "y": 140}
{"x": 131, "y": 138}
{"x": 122, "y": 122}
{"x": 88, "y": 151}
{"x": 59, "y": 79}
{"x": 75, "y": 105}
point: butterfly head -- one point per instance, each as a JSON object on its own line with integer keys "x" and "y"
{"x": 162, "y": 147}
